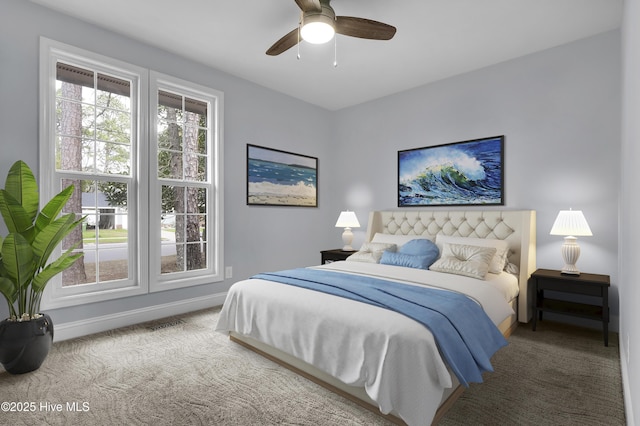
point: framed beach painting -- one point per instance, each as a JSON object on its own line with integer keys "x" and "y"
{"x": 461, "y": 173}
{"x": 281, "y": 178}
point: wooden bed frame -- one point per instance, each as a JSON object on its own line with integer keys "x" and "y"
{"x": 518, "y": 228}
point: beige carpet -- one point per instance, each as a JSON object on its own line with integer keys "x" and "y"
{"x": 180, "y": 372}
{"x": 557, "y": 375}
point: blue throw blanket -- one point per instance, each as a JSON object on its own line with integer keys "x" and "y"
{"x": 463, "y": 332}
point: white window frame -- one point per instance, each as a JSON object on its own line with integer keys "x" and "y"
{"x": 142, "y": 230}
{"x": 213, "y": 272}
{"x": 55, "y": 295}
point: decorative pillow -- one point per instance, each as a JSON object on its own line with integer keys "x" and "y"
{"x": 420, "y": 247}
{"x": 371, "y": 252}
{"x": 398, "y": 240}
{"x": 408, "y": 260}
{"x": 511, "y": 268}
{"x": 499, "y": 260}
{"x": 462, "y": 259}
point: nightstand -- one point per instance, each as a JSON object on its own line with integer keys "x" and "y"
{"x": 594, "y": 285}
{"x": 329, "y": 256}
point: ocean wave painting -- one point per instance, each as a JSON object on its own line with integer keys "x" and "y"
{"x": 461, "y": 173}
{"x": 280, "y": 178}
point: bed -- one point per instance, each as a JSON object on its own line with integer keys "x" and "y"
{"x": 377, "y": 357}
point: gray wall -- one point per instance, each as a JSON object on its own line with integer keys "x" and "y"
{"x": 560, "y": 113}
{"x": 629, "y": 208}
{"x": 256, "y": 238}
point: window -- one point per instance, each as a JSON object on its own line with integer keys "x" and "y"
{"x": 93, "y": 152}
{"x": 145, "y": 168}
{"x": 185, "y": 190}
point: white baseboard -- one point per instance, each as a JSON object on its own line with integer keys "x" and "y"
{"x": 626, "y": 388}
{"x": 71, "y": 330}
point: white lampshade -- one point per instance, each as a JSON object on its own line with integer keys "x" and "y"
{"x": 347, "y": 220}
{"x": 571, "y": 223}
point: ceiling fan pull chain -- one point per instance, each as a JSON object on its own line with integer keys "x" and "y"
{"x": 298, "y": 46}
{"x": 335, "y": 51}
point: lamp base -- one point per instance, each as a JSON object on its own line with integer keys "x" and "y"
{"x": 347, "y": 237}
{"x": 570, "y": 254}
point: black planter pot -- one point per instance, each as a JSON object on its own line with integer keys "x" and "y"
{"x": 25, "y": 345}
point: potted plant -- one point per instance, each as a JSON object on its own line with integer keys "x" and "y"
{"x": 26, "y": 336}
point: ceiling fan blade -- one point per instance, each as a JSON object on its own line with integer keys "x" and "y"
{"x": 285, "y": 43}
{"x": 364, "y": 28}
{"x": 309, "y": 5}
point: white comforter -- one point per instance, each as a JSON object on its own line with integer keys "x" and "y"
{"x": 392, "y": 356}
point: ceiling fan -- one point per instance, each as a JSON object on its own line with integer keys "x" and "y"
{"x": 319, "y": 23}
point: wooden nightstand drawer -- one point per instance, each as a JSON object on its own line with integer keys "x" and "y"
{"x": 334, "y": 255}
{"x": 567, "y": 286}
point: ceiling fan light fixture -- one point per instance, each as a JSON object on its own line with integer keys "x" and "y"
{"x": 318, "y": 27}
{"x": 317, "y": 32}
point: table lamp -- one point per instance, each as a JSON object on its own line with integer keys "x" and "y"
{"x": 572, "y": 224}
{"x": 347, "y": 220}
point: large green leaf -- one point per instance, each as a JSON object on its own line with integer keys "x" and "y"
{"x": 32, "y": 238}
{"x": 22, "y": 185}
{"x": 53, "y": 208}
{"x": 49, "y": 238}
{"x": 53, "y": 269}
{"x": 15, "y": 215}
{"x": 9, "y": 289}
{"x": 18, "y": 259}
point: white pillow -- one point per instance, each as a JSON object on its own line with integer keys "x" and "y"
{"x": 499, "y": 260}
{"x": 371, "y": 252}
{"x": 462, "y": 259}
{"x": 398, "y": 240}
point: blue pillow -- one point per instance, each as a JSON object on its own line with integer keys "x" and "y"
{"x": 408, "y": 260}
{"x": 420, "y": 247}
{"x": 418, "y": 253}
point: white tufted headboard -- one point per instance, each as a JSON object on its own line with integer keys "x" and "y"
{"x": 518, "y": 228}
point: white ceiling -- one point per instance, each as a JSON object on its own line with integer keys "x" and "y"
{"x": 435, "y": 39}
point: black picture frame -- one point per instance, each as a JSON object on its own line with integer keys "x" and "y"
{"x": 466, "y": 173}
{"x": 281, "y": 178}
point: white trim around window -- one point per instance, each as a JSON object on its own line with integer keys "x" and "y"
{"x": 144, "y": 200}
{"x": 51, "y": 52}
{"x": 210, "y": 183}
